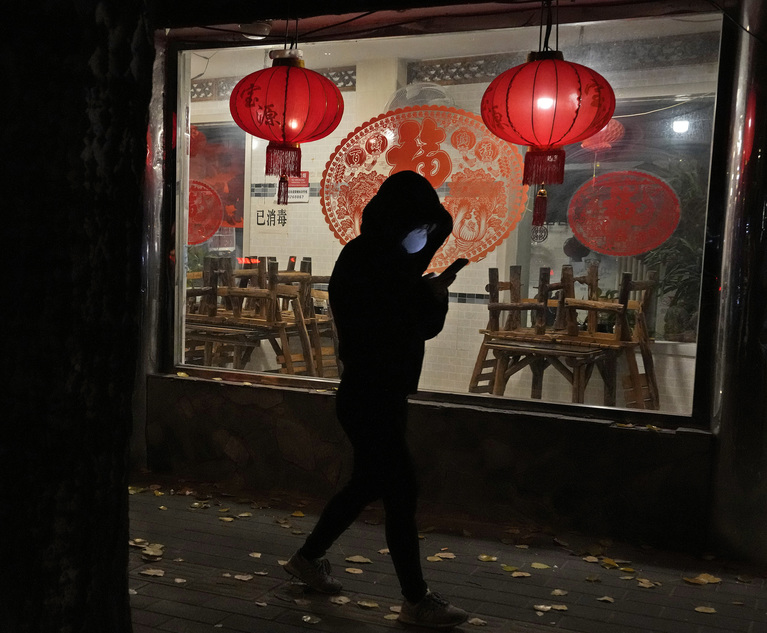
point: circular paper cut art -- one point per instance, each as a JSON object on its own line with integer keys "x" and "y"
{"x": 474, "y": 172}
{"x": 623, "y": 213}
{"x": 205, "y": 212}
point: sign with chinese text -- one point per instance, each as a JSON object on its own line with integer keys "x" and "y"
{"x": 474, "y": 172}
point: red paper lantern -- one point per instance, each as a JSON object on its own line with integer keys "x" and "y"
{"x": 286, "y": 105}
{"x": 546, "y": 103}
{"x": 606, "y": 137}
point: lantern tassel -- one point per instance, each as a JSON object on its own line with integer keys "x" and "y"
{"x": 544, "y": 166}
{"x": 283, "y": 159}
{"x": 539, "y": 207}
{"x": 539, "y": 232}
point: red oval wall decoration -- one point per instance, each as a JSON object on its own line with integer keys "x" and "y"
{"x": 475, "y": 173}
{"x": 623, "y": 213}
{"x": 206, "y": 212}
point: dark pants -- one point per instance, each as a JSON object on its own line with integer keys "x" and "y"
{"x": 375, "y": 422}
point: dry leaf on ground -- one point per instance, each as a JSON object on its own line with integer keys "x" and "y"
{"x": 358, "y": 559}
{"x": 353, "y": 570}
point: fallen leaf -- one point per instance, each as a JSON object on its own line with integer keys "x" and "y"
{"x": 559, "y": 592}
{"x": 353, "y": 570}
{"x": 485, "y": 558}
{"x": 255, "y": 554}
{"x": 628, "y": 570}
{"x": 606, "y": 599}
{"x": 358, "y": 559}
{"x": 522, "y": 546}
{"x": 520, "y": 574}
{"x": 182, "y": 374}
{"x": 298, "y": 513}
{"x": 712, "y": 580}
{"x": 705, "y": 610}
{"x": 243, "y": 577}
{"x": 132, "y": 592}
{"x": 223, "y": 509}
{"x": 591, "y": 559}
{"x": 434, "y": 559}
{"x": 395, "y": 609}
{"x": 367, "y": 604}
{"x": 261, "y": 604}
{"x": 539, "y": 566}
{"x": 744, "y": 579}
{"x": 138, "y": 542}
{"x": 509, "y": 568}
{"x": 447, "y": 555}
{"x": 626, "y": 577}
{"x": 245, "y": 514}
{"x": 384, "y": 551}
{"x": 282, "y": 562}
{"x": 593, "y": 579}
{"x": 609, "y": 563}
{"x": 179, "y": 581}
{"x": 162, "y": 507}
{"x": 226, "y": 519}
{"x": 340, "y": 600}
{"x": 477, "y": 622}
{"x": 226, "y": 574}
{"x": 559, "y": 607}
{"x": 152, "y": 572}
{"x": 391, "y": 616}
{"x": 311, "y": 619}
{"x": 542, "y": 607}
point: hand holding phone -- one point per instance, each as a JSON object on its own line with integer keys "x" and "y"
{"x": 453, "y": 268}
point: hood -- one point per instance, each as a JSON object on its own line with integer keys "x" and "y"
{"x": 405, "y": 201}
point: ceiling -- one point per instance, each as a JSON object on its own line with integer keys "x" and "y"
{"x": 411, "y": 21}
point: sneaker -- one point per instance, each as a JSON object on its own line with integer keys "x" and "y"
{"x": 432, "y": 611}
{"x": 315, "y": 573}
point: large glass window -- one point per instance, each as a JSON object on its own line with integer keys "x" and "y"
{"x": 626, "y": 226}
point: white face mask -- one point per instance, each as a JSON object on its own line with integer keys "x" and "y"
{"x": 416, "y": 239}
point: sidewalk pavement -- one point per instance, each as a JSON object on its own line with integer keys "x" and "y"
{"x": 214, "y": 564}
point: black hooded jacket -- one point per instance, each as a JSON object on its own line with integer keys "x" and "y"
{"x": 384, "y": 309}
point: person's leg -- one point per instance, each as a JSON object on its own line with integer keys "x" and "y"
{"x": 400, "y": 503}
{"x": 364, "y": 419}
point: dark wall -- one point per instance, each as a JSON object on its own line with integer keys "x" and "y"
{"x": 594, "y": 476}
{"x": 76, "y": 80}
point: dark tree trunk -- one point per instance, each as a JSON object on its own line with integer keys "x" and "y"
{"x": 77, "y": 80}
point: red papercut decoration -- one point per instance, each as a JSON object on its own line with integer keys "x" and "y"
{"x": 205, "y": 212}
{"x": 606, "y": 137}
{"x": 546, "y": 103}
{"x": 286, "y": 105}
{"x": 623, "y": 213}
{"x": 473, "y": 171}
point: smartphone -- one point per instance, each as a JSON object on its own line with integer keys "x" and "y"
{"x": 455, "y": 266}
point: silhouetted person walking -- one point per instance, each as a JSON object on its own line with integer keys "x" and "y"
{"x": 385, "y": 309}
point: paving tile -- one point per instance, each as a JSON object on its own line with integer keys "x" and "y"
{"x": 211, "y": 548}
